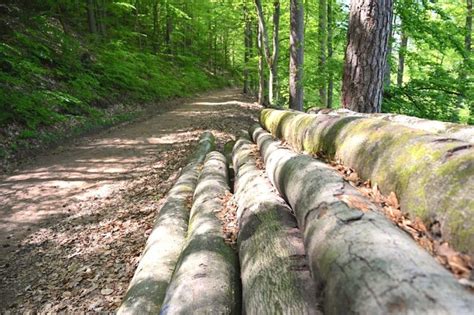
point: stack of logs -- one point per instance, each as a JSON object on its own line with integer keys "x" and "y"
{"x": 309, "y": 242}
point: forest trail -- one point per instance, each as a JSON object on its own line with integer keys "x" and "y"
{"x": 72, "y": 221}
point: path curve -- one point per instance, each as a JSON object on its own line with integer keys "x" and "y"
{"x": 72, "y": 222}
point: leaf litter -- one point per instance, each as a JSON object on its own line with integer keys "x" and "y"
{"x": 85, "y": 261}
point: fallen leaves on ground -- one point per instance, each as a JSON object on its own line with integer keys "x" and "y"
{"x": 83, "y": 262}
{"x": 228, "y": 217}
{"x": 430, "y": 238}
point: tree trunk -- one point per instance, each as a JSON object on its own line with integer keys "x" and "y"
{"x": 149, "y": 284}
{"x": 388, "y": 64}
{"x": 401, "y": 57}
{"x": 466, "y": 58}
{"x": 206, "y": 278}
{"x": 168, "y": 29}
{"x": 330, "y": 52}
{"x": 432, "y": 176}
{"x": 155, "y": 27}
{"x": 261, "y": 73}
{"x": 270, "y": 58}
{"x": 323, "y": 36}
{"x": 246, "y": 51}
{"x": 274, "y": 89}
{"x": 296, "y": 54}
{"x": 441, "y": 128}
{"x": 355, "y": 253}
{"x": 274, "y": 272}
{"x": 366, "y": 55}
{"x": 91, "y": 16}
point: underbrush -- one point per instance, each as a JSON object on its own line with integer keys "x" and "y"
{"x": 53, "y": 83}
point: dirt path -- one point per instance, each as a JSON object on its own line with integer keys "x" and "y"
{"x": 73, "y": 223}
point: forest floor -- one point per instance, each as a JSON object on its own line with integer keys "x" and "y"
{"x": 73, "y": 222}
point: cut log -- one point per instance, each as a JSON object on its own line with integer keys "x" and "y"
{"x": 452, "y": 130}
{"x": 362, "y": 261}
{"x": 206, "y": 279}
{"x": 274, "y": 271}
{"x": 432, "y": 176}
{"x": 150, "y": 281}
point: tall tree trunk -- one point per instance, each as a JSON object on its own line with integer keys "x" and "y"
{"x": 91, "y": 16}
{"x": 322, "y": 50}
{"x": 102, "y": 12}
{"x": 271, "y": 58}
{"x": 137, "y": 23}
{"x": 261, "y": 73}
{"x": 366, "y": 54}
{"x": 169, "y": 29}
{"x": 388, "y": 65}
{"x": 466, "y": 58}
{"x": 401, "y": 57}
{"x": 154, "y": 43}
{"x": 274, "y": 89}
{"x": 296, "y": 54}
{"x": 246, "y": 51}
{"x": 330, "y": 53}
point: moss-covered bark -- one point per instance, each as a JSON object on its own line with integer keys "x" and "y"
{"x": 274, "y": 271}
{"x": 457, "y": 131}
{"x": 363, "y": 263}
{"x": 164, "y": 245}
{"x": 433, "y": 176}
{"x": 206, "y": 278}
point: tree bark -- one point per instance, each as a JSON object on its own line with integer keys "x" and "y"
{"x": 401, "y": 57}
{"x": 323, "y": 46}
{"x": 206, "y": 278}
{"x": 274, "y": 272}
{"x": 366, "y": 55}
{"x": 261, "y": 73}
{"x": 271, "y": 58}
{"x": 149, "y": 284}
{"x": 296, "y": 54}
{"x": 246, "y": 51}
{"x": 91, "y": 20}
{"x": 441, "y": 128}
{"x": 355, "y": 253}
{"x": 432, "y": 176}
{"x": 330, "y": 52}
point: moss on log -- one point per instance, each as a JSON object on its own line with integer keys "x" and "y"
{"x": 433, "y": 176}
{"x": 457, "y": 131}
{"x": 150, "y": 281}
{"x": 362, "y": 261}
{"x": 206, "y": 278}
{"x": 274, "y": 271}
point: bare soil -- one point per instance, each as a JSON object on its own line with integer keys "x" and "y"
{"x": 73, "y": 222}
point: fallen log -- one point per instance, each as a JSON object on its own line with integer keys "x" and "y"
{"x": 432, "y": 176}
{"x": 274, "y": 271}
{"x": 452, "y": 130}
{"x": 150, "y": 281}
{"x": 361, "y": 260}
{"x": 206, "y": 279}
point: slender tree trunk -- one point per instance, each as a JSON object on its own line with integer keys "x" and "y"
{"x": 137, "y": 23}
{"x": 388, "y": 65}
{"x": 169, "y": 29}
{"x": 154, "y": 43}
{"x": 271, "y": 59}
{"x": 366, "y": 54}
{"x": 261, "y": 73}
{"x": 401, "y": 57}
{"x": 274, "y": 88}
{"x": 296, "y": 54}
{"x": 91, "y": 16}
{"x": 467, "y": 55}
{"x": 330, "y": 52}
{"x": 246, "y": 51}
{"x": 102, "y": 13}
{"x": 323, "y": 36}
